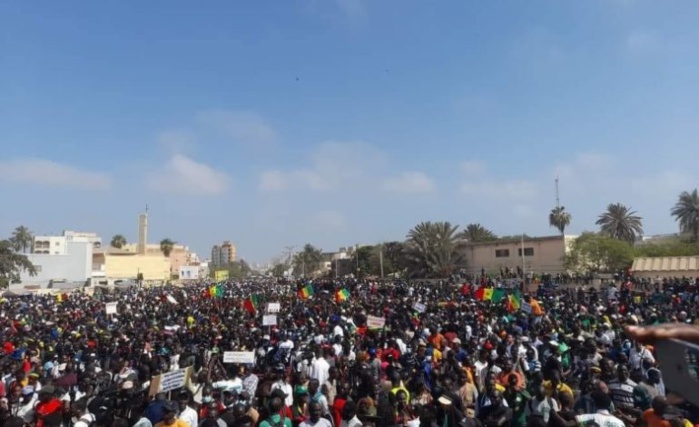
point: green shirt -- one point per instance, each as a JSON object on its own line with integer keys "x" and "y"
{"x": 517, "y": 401}
{"x": 275, "y": 420}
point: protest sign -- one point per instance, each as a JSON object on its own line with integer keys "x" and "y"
{"x": 269, "y": 320}
{"x": 373, "y": 322}
{"x": 243, "y": 357}
{"x": 274, "y": 307}
{"x": 111, "y": 308}
{"x": 419, "y": 307}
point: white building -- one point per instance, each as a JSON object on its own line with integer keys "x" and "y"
{"x": 61, "y": 261}
{"x": 58, "y": 245}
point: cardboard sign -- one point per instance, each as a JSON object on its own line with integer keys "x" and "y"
{"x": 110, "y": 308}
{"x": 269, "y": 320}
{"x": 419, "y": 307}
{"x": 373, "y": 322}
{"x": 243, "y": 357}
{"x": 274, "y": 307}
{"x": 169, "y": 381}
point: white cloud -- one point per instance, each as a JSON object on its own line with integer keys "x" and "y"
{"x": 409, "y": 182}
{"x": 518, "y": 189}
{"x": 182, "y": 175}
{"x": 473, "y": 167}
{"x": 47, "y": 173}
{"x": 243, "y": 127}
{"x": 333, "y": 165}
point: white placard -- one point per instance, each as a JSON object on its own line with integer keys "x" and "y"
{"x": 244, "y": 357}
{"x": 110, "y": 308}
{"x": 373, "y": 322}
{"x": 173, "y": 380}
{"x": 274, "y": 307}
{"x": 269, "y": 320}
{"x": 526, "y": 307}
{"x": 419, "y": 307}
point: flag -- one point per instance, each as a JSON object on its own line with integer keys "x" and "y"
{"x": 498, "y": 295}
{"x": 513, "y": 302}
{"x": 251, "y": 304}
{"x": 342, "y": 295}
{"x": 479, "y": 293}
{"x": 59, "y": 298}
{"x": 306, "y": 292}
{"x": 488, "y": 294}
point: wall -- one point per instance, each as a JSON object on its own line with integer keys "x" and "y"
{"x": 547, "y": 257}
{"x": 178, "y": 257}
{"x": 57, "y": 245}
{"x": 73, "y": 266}
{"x": 152, "y": 267}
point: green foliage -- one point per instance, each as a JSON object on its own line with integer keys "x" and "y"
{"x": 278, "y": 270}
{"x": 166, "y": 246}
{"x": 672, "y": 247}
{"x": 559, "y": 218}
{"x": 597, "y": 253}
{"x": 118, "y": 241}
{"x": 686, "y": 212}
{"x": 478, "y": 233}
{"x": 308, "y": 261}
{"x": 620, "y": 222}
{"x": 433, "y": 250}
{"x": 12, "y": 264}
{"x": 22, "y": 239}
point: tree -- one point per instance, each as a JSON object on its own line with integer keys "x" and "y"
{"x": 278, "y": 270}
{"x": 598, "y": 253}
{"x": 363, "y": 261}
{"x": 22, "y": 239}
{"x": 686, "y": 212}
{"x": 238, "y": 269}
{"x": 668, "y": 248}
{"x": 308, "y": 261}
{"x": 559, "y": 218}
{"x": 433, "y": 249}
{"x": 12, "y": 264}
{"x": 166, "y": 246}
{"x": 477, "y": 233}
{"x": 118, "y": 241}
{"x": 621, "y": 223}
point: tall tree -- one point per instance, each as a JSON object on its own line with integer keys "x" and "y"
{"x": 278, "y": 270}
{"x": 166, "y": 246}
{"x": 433, "y": 249}
{"x": 22, "y": 239}
{"x": 686, "y": 212}
{"x": 477, "y": 233}
{"x": 12, "y": 264}
{"x": 307, "y": 262}
{"x": 118, "y": 241}
{"x": 620, "y": 222}
{"x": 559, "y": 218}
{"x": 598, "y": 253}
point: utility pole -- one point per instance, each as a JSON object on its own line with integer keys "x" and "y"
{"x": 356, "y": 250}
{"x": 289, "y": 250}
{"x": 558, "y": 201}
{"x": 381, "y": 259}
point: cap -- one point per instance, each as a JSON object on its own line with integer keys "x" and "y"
{"x": 456, "y": 341}
{"x": 444, "y": 400}
{"x": 300, "y": 390}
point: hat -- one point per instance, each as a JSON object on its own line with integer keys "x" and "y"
{"x": 277, "y": 392}
{"x": 127, "y": 385}
{"x": 444, "y": 400}
{"x": 300, "y": 390}
{"x": 456, "y": 341}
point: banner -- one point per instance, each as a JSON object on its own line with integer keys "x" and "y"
{"x": 169, "y": 381}
{"x": 419, "y": 307}
{"x": 373, "y": 322}
{"x": 274, "y": 307}
{"x": 242, "y": 357}
{"x": 269, "y": 320}
{"x": 221, "y": 275}
{"x": 189, "y": 272}
{"x": 110, "y": 308}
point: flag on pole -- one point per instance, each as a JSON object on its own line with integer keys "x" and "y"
{"x": 498, "y": 295}
{"x": 514, "y": 302}
{"x": 342, "y": 295}
{"x": 59, "y": 298}
{"x": 306, "y": 292}
{"x": 251, "y": 304}
{"x": 488, "y": 294}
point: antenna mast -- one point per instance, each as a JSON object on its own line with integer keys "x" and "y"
{"x": 558, "y": 201}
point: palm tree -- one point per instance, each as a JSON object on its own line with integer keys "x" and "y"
{"x": 12, "y": 264}
{"x": 686, "y": 212}
{"x": 477, "y": 233}
{"x": 166, "y": 246}
{"x": 22, "y": 239}
{"x": 559, "y": 218}
{"x": 118, "y": 241}
{"x": 307, "y": 261}
{"x": 621, "y": 223}
{"x": 433, "y": 249}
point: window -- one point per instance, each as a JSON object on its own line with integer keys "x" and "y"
{"x": 56, "y": 243}
{"x": 502, "y": 253}
{"x": 527, "y": 252}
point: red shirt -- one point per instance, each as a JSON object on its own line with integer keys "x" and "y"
{"x": 45, "y": 409}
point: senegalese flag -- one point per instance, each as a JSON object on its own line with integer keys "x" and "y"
{"x": 498, "y": 295}
{"x": 488, "y": 294}
{"x": 342, "y": 295}
{"x": 479, "y": 293}
{"x": 513, "y": 302}
{"x": 306, "y": 292}
{"x": 59, "y": 298}
{"x": 251, "y": 304}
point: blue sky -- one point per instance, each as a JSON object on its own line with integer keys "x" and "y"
{"x": 275, "y": 123}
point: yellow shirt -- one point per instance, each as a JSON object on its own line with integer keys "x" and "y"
{"x": 548, "y": 388}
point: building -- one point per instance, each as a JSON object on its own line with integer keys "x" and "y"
{"x": 534, "y": 254}
{"x": 57, "y": 245}
{"x": 179, "y": 256}
{"x": 668, "y": 266}
{"x": 59, "y": 260}
{"x": 222, "y": 254}
{"x": 111, "y": 264}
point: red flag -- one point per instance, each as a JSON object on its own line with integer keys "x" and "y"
{"x": 479, "y": 293}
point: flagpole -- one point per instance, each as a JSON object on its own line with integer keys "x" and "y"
{"x": 522, "y": 250}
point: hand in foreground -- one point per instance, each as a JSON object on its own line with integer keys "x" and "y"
{"x": 665, "y": 331}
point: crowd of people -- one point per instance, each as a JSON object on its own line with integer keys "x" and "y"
{"x": 344, "y": 353}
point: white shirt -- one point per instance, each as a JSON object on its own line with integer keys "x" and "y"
{"x": 354, "y": 422}
{"x": 85, "y": 421}
{"x": 189, "y": 416}
{"x": 602, "y": 418}
{"x": 286, "y": 388}
{"x": 322, "y": 422}
{"x": 319, "y": 370}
